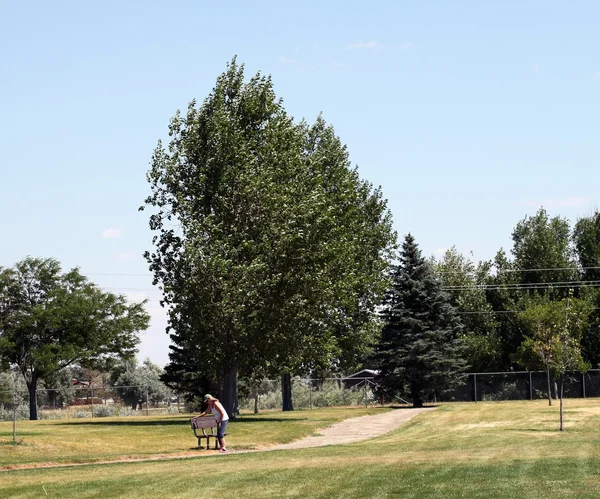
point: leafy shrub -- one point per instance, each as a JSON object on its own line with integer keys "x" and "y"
{"x": 104, "y": 411}
{"x": 6, "y": 412}
{"x": 126, "y": 411}
{"x": 508, "y": 391}
{"x": 172, "y": 409}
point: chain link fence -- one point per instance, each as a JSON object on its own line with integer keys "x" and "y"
{"x": 91, "y": 402}
{"x": 524, "y": 385}
{"x": 88, "y": 402}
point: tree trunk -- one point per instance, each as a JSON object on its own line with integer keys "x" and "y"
{"x": 549, "y": 388}
{"x": 32, "y": 388}
{"x": 416, "y": 395}
{"x": 256, "y": 402}
{"x": 286, "y": 393}
{"x": 229, "y": 393}
{"x": 561, "y": 403}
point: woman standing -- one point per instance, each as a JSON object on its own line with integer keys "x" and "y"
{"x": 221, "y": 417}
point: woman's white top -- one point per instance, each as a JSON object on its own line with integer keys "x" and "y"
{"x": 217, "y": 413}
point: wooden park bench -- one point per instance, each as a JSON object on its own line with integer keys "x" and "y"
{"x": 205, "y": 427}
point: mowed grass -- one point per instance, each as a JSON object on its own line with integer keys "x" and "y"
{"x": 506, "y": 449}
{"x": 101, "y": 439}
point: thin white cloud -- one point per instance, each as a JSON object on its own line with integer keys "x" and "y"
{"x": 567, "y": 202}
{"x": 284, "y": 59}
{"x": 596, "y": 75}
{"x": 111, "y": 233}
{"x": 404, "y": 45}
{"x": 125, "y": 256}
{"x": 373, "y": 44}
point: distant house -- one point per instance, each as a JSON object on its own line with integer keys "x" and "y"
{"x": 360, "y": 378}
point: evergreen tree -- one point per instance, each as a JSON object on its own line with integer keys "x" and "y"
{"x": 420, "y": 351}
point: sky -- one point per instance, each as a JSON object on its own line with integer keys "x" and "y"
{"x": 470, "y": 115}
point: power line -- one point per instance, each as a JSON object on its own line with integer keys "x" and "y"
{"x": 501, "y": 271}
{"x": 491, "y": 312}
{"x": 526, "y": 285}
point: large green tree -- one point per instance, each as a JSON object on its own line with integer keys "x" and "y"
{"x": 50, "y": 320}
{"x": 586, "y": 238}
{"x": 464, "y": 281}
{"x": 544, "y": 258}
{"x": 421, "y": 351}
{"x": 270, "y": 249}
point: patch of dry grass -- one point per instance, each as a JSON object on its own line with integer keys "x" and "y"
{"x": 101, "y": 439}
{"x": 491, "y": 450}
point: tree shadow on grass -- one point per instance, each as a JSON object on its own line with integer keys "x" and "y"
{"x": 409, "y": 407}
{"x": 168, "y": 422}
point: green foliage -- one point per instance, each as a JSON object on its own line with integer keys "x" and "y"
{"x": 421, "y": 349}
{"x": 138, "y": 382}
{"x": 270, "y": 249}
{"x": 555, "y": 331}
{"x": 462, "y": 280}
{"x": 50, "y": 320}
{"x": 586, "y": 236}
{"x": 543, "y": 252}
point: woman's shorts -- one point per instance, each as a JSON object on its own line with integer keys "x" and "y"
{"x": 221, "y": 429}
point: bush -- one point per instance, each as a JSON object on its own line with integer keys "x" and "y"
{"x": 125, "y": 411}
{"x": 82, "y": 414}
{"x": 6, "y": 412}
{"x": 104, "y": 411}
{"x": 172, "y": 409}
{"x": 508, "y": 391}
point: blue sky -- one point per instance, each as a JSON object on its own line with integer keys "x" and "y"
{"x": 470, "y": 115}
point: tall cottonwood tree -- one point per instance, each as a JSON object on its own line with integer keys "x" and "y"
{"x": 543, "y": 253}
{"x": 421, "y": 351}
{"x": 463, "y": 281}
{"x": 50, "y": 320}
{"x": 270, "y": 249}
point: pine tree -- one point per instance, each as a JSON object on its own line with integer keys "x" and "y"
{"x": 420, "y": 351}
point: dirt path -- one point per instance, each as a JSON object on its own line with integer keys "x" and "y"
{"x": 344, "y": 432}
{"x": 355, "y": 429}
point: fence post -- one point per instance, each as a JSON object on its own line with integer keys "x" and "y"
{"x": 365, "y": 393}
{"x": 147, "y": 405}
{"x": 14, "y": 398}
{"x": 475, "y": 386}
{"x": 92, "y": 402}
{"x": 530, "y": 387}
{"x": 583, "y": 385}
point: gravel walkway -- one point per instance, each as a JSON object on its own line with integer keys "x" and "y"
{"x": 355, "y": 429}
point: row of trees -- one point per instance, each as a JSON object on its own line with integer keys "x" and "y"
{"x": 274, "y": 257}
{"x": 550, "y": 265}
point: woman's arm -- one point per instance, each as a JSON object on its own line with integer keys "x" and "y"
{"x": 198, "y": 417}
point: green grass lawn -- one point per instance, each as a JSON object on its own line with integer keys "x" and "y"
{"x": 502, "y": 449}
{"x": 101, "y": 439}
